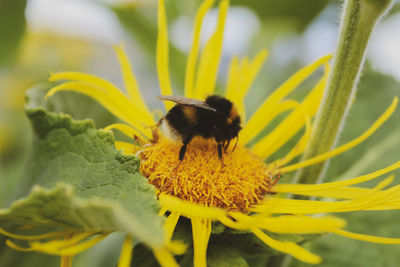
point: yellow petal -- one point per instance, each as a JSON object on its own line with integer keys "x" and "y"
{"x": 16, "y": 247}
{"x": 249, "y": 133}
{"x": 70, "y": 250}
{"x": 291, "y": 124}
{"x": 162, "y": 54}
{"x": 66, "y": 261}
{"x": 201, "y": 229}
{"x": 192, "y": 58}
{"x": 368, "y": 238}
{"x": 298, "y": 148}
{"x": 316, "y": 187}
{"x": 177, "y": 247}
{"x": 164, "y": 257}
{"x": 232, "y": 82}
{"x": 127, "y": 148}
{"x": 287, "y": 224}
{"x": 374, "y": 199}
{"x": 288, "y": 248}
{"x": 120, "y": 107}
{"x": 126, "y": 130}
{"x": 170, "y": 224}
{"x": 384, "y": 117}
{"x": 129, "y": 78}
{"x": 34, "y": 237}
{"x": 189, "y": 209}
{"x": 240, "y": 79}
{"x": 126, "y": 252}
{"x": 253, "y": 125}
{"x": 107, "y": 88}
{"x": 210, "y": 57}
{"x": 336, "y": 192}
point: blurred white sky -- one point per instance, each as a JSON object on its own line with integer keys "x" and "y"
{"x": 88, "y": 19}
{"x": 76, "y": 18}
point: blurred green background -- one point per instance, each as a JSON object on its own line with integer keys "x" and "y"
{"x": 39, "y": 36}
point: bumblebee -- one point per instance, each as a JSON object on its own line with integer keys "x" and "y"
{"x": 216, "y": 117}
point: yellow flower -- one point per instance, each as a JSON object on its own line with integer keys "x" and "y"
{"x": 242, "y": 192}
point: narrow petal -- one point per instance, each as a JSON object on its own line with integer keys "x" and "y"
{"x": 34, "y": 237}
{"x": 249, "y": 133}
{"x": 106, "y": 87}
{"x": 70, "y": 250}
{"x": 288, "y": 247}
{"x": 290, "y": 224}
{"x": 291, "y": 124}
{"x": 126, "y": 130}
{"x": 165, "y": 258}
{"x": 292, "y": 188}
{"x": 338, "y": 192}
{"x": 192, "y": 58}
{"x": 384, "y": 117}
{"x": 66, "y": 261}
{"x": 170, "y": 224}
{"x": 162, "y": 54}
{"x": 227, "y": 221}
{"x": 374, "y": 199}
{"x": 232, "y": 78}
{"x": 126, "y": 252}
{"x": 12, "y": 245}
{"x": 120, "y": 107}
{"x": 201, "y": 229}
{"x": 298, "y": 148}
{"x": 210, "y": 57}
{"x": 241, "y": 79}
{"x": 129, "y": 78}
{"x": 368, "y": 238}
{"x": 127, "y": 148}
{"x": 188, "y": 209}
{"x": 280, "y": 93}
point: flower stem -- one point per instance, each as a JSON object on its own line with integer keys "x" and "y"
{"x": 359, "y": 19}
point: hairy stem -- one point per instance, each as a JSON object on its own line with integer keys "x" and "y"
{"x": 359, "y": 19}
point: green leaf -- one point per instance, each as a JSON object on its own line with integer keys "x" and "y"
{"x": 10, "y": 257}
{"x": 12, "y": 27}
{"x": 77, "y": 105}
{"x": 143, "y": 257}
{"x": 100, "y": 189}
{"x": 221, "y": 256}
{"x": 252, "y": 248}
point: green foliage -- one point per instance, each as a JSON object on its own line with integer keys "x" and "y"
{"x": 12, "y": 27}
{"x": 221, "y": 256}
{"x": 288, "y": 10}
{"x": 105, "y": 190}
{"x": 78, "y": 106}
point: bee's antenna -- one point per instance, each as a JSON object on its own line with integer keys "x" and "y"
{"x": 237, "y": 141}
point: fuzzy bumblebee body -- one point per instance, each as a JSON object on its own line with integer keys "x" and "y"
{"x": 216, "y": 117}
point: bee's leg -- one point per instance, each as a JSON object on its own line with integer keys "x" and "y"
{"x": 237, "y": 141}
{"x": 182, "y": 152}
{"x": 219, "y": 146}
{"x": 181, "y": 155}
{"x": 154, "y": 131}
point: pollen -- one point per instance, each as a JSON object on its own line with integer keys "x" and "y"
{"x": 235, "y": 182}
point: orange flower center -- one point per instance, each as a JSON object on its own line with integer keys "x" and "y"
{"x": 236, "y": 182}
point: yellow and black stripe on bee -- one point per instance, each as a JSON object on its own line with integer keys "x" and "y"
{"x": 216, "y": 117}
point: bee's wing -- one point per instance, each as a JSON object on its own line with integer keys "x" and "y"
{"x": 186, "y": 101}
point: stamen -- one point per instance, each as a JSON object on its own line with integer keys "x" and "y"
{"x": 238, "y": 182}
